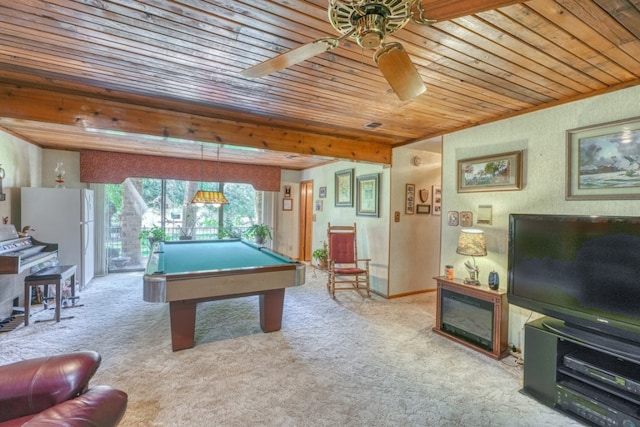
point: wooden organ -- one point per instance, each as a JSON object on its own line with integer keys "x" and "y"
{"x": 18, "y": 254}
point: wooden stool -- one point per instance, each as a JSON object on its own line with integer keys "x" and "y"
{"x": 55, "y": 275}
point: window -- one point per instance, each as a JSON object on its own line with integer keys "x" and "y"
{"x": 141, "y": 204}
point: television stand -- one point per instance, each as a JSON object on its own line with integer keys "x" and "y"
{"x": 477, "y": 307}
{"x": 615, "y": 346}
{"x": 582, "y": 374}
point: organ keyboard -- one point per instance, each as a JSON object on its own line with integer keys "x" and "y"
{"x": 17, "y": 254}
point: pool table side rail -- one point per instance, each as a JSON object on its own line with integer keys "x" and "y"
{"x": 225, "y": 271}
{"x": 157, "y": 263}
{"x": 176, "y": 287}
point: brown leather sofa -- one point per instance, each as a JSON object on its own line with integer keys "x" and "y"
{"x": 54, "y": 391}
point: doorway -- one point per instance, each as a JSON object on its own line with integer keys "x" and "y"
{"x": 306, "y": 220}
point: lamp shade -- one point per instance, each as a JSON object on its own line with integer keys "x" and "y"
{"x": 471, "y": 242}
{"x": 209, "y": 198}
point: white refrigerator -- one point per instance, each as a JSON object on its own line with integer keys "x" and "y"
{"x": 63, "y": 216}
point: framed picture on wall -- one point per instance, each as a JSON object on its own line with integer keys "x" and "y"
{"x": 423, "y": 209}
{"x": 466, "y": 218}
{"x": 410, "y": 199}
{"x": 497, "y": 172}
{"x": 319, "y": 205}
{"x": 436, "y": 191}
{"x": 344, "y": 188}
{"x": 367, "y": 199}
{"x": 322, "y": 192}
{"x": 287, "y": 204}
{"x": 453, "y": 218}
{"x": 603, "y": 162}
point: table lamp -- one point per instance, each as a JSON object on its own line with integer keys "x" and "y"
{"x": 471, "y": 242}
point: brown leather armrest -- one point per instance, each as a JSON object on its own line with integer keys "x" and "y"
{"x": 31, "y": 386}
{"x": 102, "y": 406}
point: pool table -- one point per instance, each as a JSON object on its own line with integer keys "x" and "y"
{"x": 184, "y": 273}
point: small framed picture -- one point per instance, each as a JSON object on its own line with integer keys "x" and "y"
{"x": 319, "y": 205}
{"x": 436, "y": 191}
{"x": 466, "y": 219}
{"x": 322, "y": 192}
{"x": 287, "y": 191}
{"x": 410, "y": 199}
{"x": 453, "y": 218}
{"x": 287, "y": 204}
{"x": 423, "y": 209}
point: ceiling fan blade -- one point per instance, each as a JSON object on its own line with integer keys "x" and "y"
{"x": 291, "y": 57}
{"x": 397, "y": 68}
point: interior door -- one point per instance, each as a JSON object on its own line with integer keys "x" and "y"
{"x": 306, "y": 220}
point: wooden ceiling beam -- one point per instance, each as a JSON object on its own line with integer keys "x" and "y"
{"x": 29, "y": 103}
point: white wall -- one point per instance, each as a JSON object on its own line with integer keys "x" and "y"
{"x": 373, "y": 233}
{"x": 412, "y": 244}
{"x": 22, "y": 164}
{"x": 415, "y": 239}
{"x": 71, "y": 164}
{"x": 542, "y": 137}
{"x": 286, "y": 238}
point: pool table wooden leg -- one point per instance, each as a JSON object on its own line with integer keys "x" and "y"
{"x": 183, "y": 324}
{"x": 271, "y": 304}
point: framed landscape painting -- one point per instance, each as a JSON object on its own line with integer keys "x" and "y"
{"x": 603, "y": 161}
{"x": 497, "y": 172}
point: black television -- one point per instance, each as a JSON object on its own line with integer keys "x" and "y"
{"x": 581, "y": 270}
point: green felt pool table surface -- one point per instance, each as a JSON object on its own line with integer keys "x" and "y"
{"x": 205, "y": 255}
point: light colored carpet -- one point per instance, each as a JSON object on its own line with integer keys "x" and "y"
{"x": 352, "y": 361}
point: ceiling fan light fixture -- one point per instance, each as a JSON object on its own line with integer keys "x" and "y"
{"x": 397, "y": 68}
{"x": 371, "y": 31}
{"x": 368, "y": 23}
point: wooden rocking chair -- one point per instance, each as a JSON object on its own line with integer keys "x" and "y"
{"x": 346, "y": 270}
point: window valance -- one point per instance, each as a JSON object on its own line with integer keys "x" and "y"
{"x": 113, "y": 168}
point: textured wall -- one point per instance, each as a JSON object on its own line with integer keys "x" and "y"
{"x": 373, "y": 233}
{"x": 542, "y": 136}
{"x": 415, "y": 240}
{"x": 22, "y": 164}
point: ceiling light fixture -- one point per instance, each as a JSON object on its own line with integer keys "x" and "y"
{"x": 205, "y": 197}
{"x": 367, "y": 22}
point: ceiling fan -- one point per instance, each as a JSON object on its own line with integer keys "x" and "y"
{"x": 368, "y": 22}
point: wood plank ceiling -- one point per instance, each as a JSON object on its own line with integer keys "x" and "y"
{"x": 162, "y": 76}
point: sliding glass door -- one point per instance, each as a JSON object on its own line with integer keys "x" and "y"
{"x": 140, "y": 208}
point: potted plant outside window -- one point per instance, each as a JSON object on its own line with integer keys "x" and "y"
{"x": 260, "y": 232}
{"x": 152, "y": 235}
{"x": 186, "y": 233}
